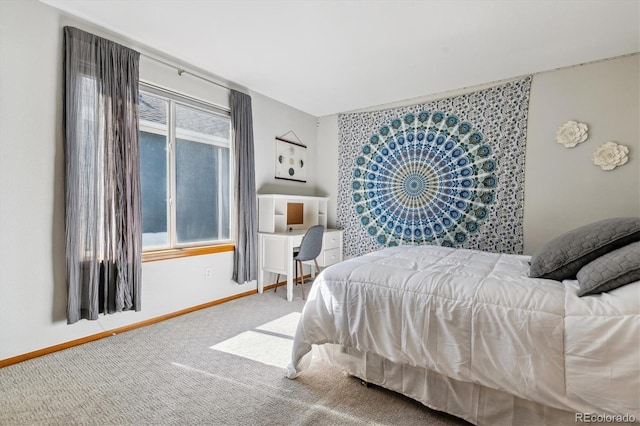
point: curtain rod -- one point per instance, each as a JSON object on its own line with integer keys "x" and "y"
{"x": 184, "y": 71}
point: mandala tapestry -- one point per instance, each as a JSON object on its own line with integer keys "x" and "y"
{"x": 449, "y": 172}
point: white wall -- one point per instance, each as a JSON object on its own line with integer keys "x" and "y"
{"x": 32, "y": 269}
{"x": 276, "y": 119}
{"x": 563, "y": 189}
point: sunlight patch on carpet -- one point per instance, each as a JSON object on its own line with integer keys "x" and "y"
{"x": 285, "y": 325}
{"x": 264, "y": 344}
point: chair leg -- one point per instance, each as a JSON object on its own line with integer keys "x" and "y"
{"x": 277, "y": 281}
{"x": 301, "y": 278}
{"x": 317, "y": 267}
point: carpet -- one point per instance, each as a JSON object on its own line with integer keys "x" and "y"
{"x": 223, "y": 365}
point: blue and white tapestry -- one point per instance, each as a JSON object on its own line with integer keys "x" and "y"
{"x": 448, "y": 172}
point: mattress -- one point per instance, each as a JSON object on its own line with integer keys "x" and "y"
{"x": 477, "y": 317}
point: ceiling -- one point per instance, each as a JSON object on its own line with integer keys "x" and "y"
{"x": 325, "y": 57}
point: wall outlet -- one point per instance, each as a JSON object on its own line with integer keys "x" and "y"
{"x": 208, "y": 273}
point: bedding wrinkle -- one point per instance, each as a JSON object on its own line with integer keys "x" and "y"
{"x": 426, "y": 332}
{"x": 473, "y": 327}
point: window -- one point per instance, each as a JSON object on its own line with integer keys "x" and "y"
{"x": 184, "y": 171}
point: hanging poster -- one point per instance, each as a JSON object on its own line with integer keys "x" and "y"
{"x": 291, "y": 160}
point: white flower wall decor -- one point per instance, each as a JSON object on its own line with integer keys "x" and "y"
{"x": 571, "y": 134}
{"x": 610, "y": 155}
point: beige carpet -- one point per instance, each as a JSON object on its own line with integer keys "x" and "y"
{"x": 219, "y": 366}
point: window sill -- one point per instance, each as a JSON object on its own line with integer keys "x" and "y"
{"x": 153, "y": 256}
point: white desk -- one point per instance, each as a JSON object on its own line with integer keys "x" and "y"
{"x": 275, "y": 254}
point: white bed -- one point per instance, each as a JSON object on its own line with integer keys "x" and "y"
{"x": 469, "y": 333}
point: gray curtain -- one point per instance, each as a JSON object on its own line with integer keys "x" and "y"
{"x": 246, "y": 254}
{"x": 102, "y": 177}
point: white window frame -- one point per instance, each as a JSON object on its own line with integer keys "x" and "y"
{"x": 172, "y": 134}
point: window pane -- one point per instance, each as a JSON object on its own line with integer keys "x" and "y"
{"x": 193, "y": 122}
{"x": 152, "y": 109}
{"x": 185, "y": 166}
{"x": 153, "y": 181}
{"x": 153, "y": 112}
{"x": 199, "y": 216}
{"x": 224, "y": 193}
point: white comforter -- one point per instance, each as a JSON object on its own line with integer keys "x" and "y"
{"x": 477, "y": 317}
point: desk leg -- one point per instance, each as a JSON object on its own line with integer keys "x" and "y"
{"x": 260, "y": 265}
{"x": 289, "y": 287}
{"x": 260, "y": 280}
{"x": 290, "y": 277}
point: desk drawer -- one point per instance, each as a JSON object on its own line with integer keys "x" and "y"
{"x": 296, "y": 240}
{"x": 330, "y": 240}
{"x": 329, "y": 257}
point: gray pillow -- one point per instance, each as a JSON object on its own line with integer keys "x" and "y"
{"x": 613, "y": 270}
{"x": 562, "y": 257}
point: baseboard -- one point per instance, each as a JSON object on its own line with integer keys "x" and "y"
{"x": 30, "y": 355}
